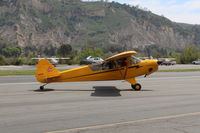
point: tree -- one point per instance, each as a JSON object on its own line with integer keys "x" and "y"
{"x": 2, "y": 60}
{"x": 177, "y": 56}
{"x": 49, "y": 50}
{"x": 30, "y": 51}
{"x": 11, "y": 51}
{"x": 189, "y": 54}
{"x": 64, "y": 50}
{"x": 94, "y": 52}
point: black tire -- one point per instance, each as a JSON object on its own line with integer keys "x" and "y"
{"x": 41, "y": 88}
{"x": 136, "y": 87}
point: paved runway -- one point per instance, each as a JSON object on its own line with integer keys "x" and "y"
{"x": 168, "y": 103}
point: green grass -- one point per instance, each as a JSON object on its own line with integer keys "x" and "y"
{"x": 32, "y": 72}
{"x": 16, "y": 72}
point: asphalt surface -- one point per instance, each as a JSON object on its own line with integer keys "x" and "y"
{"x": 168, "y": 103}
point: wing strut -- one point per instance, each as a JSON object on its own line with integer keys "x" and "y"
{"x": 126, "y": 68}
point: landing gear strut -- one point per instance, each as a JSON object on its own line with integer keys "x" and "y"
{"x": 42, "y": 87}
{"x": 136, "y": 87}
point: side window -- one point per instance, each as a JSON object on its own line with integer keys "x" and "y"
{"x": 122, "y": 62}
{"x": 104, "y": 66}
{"x": 96, "y": 67}
{"x": 110, "y": 65}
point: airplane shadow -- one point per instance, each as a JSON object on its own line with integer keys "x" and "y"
{"x": 99, "y": 91}
{"x": 46, "y": 89}
{"x": 105, "y": 91}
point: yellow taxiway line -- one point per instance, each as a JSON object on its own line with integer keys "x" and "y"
{"x": 126, "y": 122}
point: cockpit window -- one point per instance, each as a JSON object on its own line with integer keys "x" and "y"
{"x": 135, "y": 60}
{"x": 96, "y": 67}
{"x": 103, "y": 66}
{"x": 122, "y": 62}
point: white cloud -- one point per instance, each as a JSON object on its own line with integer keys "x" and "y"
{"x": 185, "y": 12}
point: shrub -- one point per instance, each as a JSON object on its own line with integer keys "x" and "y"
{"x": 189, "y": 54}
{"x": 18, "y": 61}
{"x": 11, "y": 51}
{"x": 2, "y": 60}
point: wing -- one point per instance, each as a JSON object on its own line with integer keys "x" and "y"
{"x": 121, "y": 55}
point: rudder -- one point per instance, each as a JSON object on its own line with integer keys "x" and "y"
{"x": 45, "y": 70}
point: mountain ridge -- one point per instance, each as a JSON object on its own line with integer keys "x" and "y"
{"x": 110, "y": 26}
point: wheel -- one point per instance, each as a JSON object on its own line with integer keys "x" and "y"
{"x": 41, "y": 88}
{"x": 136, "y": 87}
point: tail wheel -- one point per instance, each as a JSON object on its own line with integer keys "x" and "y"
{"x": 136, "y": 87}
{"x": 41, "y": 88}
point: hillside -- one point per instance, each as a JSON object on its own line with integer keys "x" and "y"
{"x": 111, "y": 26}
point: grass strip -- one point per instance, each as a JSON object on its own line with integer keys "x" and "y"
{"x": 16, "y": 72}
{"x": 32, "y": 72}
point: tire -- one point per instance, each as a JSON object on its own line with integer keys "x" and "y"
{"x": 136, "y": 87}
{"x": 41, "y": 88}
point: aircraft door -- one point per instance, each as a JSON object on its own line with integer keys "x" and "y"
{"x": 107, "y": 70}
{"x": 133, "y": 67}
{"x": 122, "y": 65}
{"x": 111, "y": 70}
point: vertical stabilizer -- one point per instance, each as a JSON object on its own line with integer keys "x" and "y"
{"x": 45, "y": 70}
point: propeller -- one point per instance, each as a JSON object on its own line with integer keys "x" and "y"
{"x": 159, "y": 62}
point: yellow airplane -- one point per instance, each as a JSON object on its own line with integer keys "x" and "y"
{"x": 123, "y": 66}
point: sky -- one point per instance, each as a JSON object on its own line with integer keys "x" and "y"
{"x": 184, "y": 11}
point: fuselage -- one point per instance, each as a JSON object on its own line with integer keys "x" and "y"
{"x": 98, "y": 72}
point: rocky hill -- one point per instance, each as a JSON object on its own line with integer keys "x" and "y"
{"x": 111, "y": 26}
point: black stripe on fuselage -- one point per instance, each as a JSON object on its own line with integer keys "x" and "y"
{"x": 137, "y": 66}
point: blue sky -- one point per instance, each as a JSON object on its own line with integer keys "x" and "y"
{"x": 185, "y": 11}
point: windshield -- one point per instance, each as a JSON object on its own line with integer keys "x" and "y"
{"x": 136, "y": 60}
